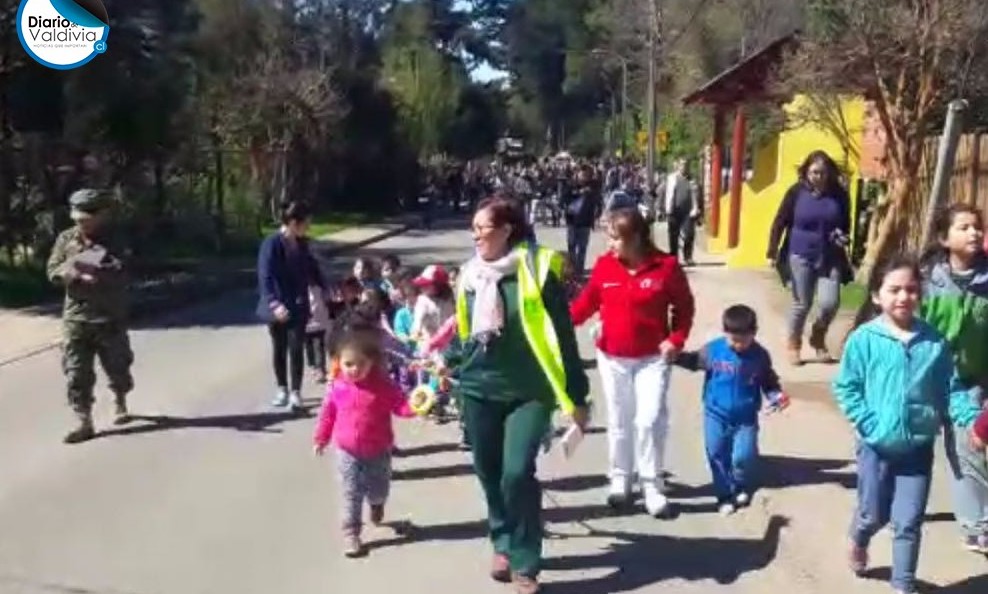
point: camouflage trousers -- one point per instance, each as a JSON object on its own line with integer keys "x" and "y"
{"x": 82, "y": 343}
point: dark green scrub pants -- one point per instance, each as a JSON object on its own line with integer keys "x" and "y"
{"x": 506, "y": 437}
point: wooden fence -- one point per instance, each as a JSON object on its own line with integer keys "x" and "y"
{"x": 969, "y": 182}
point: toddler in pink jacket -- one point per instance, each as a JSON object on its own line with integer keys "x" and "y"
{"x": 356, "y": 418}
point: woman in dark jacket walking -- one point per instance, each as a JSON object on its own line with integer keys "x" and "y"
{"x": 285, "y": 271}
{"x": 815, "y": 216}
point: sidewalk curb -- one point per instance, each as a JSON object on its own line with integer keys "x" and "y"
{"x": 236, "y": 281}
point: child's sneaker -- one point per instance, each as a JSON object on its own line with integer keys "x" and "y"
{"x": 656, "y": 503}
{"x": 742, "y": 499}
{"x": 377, "y": 514}
{"x": 726, "y": 508}
{"x": 858, "y": 560}
{"x": 352, "y": 546}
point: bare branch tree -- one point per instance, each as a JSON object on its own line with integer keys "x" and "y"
{"x": 910, "y": 57}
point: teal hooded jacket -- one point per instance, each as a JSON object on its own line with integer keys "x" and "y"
{"x": 898, "y": 395}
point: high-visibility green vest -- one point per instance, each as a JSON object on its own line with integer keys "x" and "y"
{"x": 534, "y": 267}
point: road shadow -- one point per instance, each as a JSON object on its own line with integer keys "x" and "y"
{"x": 780, "y": 472}
{"x": 432, "y": 472}
{"x": 642, "y": 560}
{"x": 407, "y": 532}
{"x": 427, "y": 450}
{"x": 938, "y": 517}
{"x": 560, "y": 431}
{"x": 574, "y": 484}
{"x": 230, "y": 308}
{"x": 972, "y": 585}
{"x": 265, "y": 422}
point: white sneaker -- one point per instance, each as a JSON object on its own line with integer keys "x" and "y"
{"x": 656, "y": 503}
{"x": 280, "y": 398}
{"x": 620, "y": 492}
{"x": 742, "y": 499}
{"x": 295, "y": 400}
{"x": 726, "y": 509}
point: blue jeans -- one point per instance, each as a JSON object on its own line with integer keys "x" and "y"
{"x": 969, "y": 469}
{"x": 893, "y": 489}
{"x": 577, "y": 240}
{"x": 809, "y": 282}
{"x": 732, "y": 453}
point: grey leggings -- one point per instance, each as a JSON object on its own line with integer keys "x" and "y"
{"x": 808, "y": 282}
{"x": 362, "y": 479}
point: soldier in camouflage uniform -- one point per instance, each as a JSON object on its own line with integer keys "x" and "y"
{"x": 90, "y": 267}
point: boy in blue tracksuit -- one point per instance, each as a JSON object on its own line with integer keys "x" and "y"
{"x": 738, "y": 373}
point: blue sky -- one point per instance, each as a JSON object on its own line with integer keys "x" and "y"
{"x": 485, "y": 72}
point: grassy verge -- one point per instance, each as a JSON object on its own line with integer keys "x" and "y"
{"x": 323, "y": 225}
{"x": 22, "y": 286}
{"x": 852, "y": 296}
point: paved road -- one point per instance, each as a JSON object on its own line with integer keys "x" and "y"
{"x": 213, "y": 493}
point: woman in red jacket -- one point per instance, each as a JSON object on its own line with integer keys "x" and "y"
{"x": 646, "y": 310}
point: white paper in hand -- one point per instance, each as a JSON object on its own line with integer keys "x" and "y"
{"x": 571, "y": 440}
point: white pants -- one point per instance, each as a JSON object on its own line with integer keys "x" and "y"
{"x": 637, "y": 393}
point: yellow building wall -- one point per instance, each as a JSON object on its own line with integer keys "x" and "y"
{"x": 718, "y": 245}
{"x": 774, "y": 171}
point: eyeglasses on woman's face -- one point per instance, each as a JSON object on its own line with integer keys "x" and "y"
{"x": 483, "y": 228}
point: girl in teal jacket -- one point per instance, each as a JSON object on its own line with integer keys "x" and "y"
{"x": 955, "y": 302}
{"x": 897, "y": 384}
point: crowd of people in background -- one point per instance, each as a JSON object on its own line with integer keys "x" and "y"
{"x": 577, "y": 193}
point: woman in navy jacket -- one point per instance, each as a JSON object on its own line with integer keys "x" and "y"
{"x": 285, "y": 270}
{"x": 815, "y": 220}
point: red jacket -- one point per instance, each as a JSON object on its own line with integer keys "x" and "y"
{"x": 638, "y": 310}
{"x": 981, "y": 427}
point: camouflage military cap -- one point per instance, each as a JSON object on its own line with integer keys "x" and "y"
{"x": 87, "y": 202}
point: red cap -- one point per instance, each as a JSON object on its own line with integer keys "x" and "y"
{"x": 434, "y": 274}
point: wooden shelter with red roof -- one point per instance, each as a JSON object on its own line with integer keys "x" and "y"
{"x": 746, "y": 82}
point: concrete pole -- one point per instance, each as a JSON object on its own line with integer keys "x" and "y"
{"x": 624, "y": 108}
{"x": 650, "y": 149}
{"x": 939, "y": 193}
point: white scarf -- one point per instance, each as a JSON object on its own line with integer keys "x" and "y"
{"x": 482, "y": 277}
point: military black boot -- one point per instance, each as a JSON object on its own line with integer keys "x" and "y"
{"x": 121, "y": 416}
{"x": 84, "y": 432}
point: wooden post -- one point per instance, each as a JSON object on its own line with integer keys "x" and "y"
{"x": 737, "y": 177}
{"x": 716, "y": 168}
{"x": 975, "y": 168}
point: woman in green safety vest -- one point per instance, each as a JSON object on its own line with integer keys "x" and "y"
{"x": 516, "y": 360}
